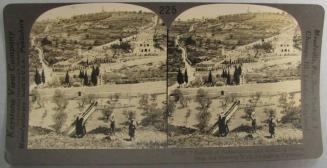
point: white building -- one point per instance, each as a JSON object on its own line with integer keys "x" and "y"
{"x": 284, "y": 45}
{"x": 144, "y": 44}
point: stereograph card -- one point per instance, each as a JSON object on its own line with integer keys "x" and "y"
{"x": 162, "y": 82}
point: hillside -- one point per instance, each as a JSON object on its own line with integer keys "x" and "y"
{"x": 238, "y": 29}
{"x": 61, "y": 39}
{"x": 215, "y": 39}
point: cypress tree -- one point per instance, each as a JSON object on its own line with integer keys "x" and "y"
{"x": 97, "y": 70}
{"x": 43, "y": 77}
{"x": 94, "y": 78}
{"x": 210, "y": 77}
{"x": 37, "y": 77}
{"x": 236, "y": 76}
{"x": 86, "y": 79}
{"x": 185, "y": 76}
{"x": 228, "y": 78}
{"x": 81, "y": 75}
{"x": 67, "y": 78}
{"x": 84, "y": 74}
{"x": 240, "y": 70}
{"x": 180, "y": 78}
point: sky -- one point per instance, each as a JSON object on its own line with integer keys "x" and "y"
{"x": 214, "y": 10}
{"x": 77, "y": 9}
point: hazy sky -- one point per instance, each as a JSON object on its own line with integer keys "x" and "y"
{"x": 214, "y": 10}
{"x": 71, "y": 10}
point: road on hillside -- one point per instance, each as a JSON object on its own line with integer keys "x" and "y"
{"x": 47, "y": 69}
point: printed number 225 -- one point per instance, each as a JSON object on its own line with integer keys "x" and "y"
{"x": 167, "y": 10}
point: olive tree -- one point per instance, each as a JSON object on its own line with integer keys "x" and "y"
{"x": 204, "y": 115}
{"x": 60, "y": 117}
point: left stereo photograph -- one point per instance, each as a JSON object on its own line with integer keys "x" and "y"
{"x": 97, "y": 78}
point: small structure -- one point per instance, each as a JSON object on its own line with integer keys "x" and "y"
{"x": 284, "y": 45}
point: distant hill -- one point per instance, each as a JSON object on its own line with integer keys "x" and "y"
{"x": 236, "y": 29}
{"x": 61, "y": 38}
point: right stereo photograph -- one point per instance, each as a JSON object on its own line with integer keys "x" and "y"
{"x": 234, "y": 77}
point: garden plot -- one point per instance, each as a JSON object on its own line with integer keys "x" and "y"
{"x": 285, "y": 106}
{"x": 42, "y": 119}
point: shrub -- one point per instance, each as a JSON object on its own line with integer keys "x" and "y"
{"x": 90, "y": 98}
{"x": 36, "y": 97}
{"x": 187, "y": 115}
{"x": 170, "y": 108}
{"x": 183, "y": 100}
{"x": 86, "y": 99}
{"x": 203, "y": 117}
{"x": 253, "y": 101}
{"x": 255, "y": 98}
{"x": 189, "y": 41}
{"x": 267, "y": 47}
{"x": 154, "y": 117}
{"x": 144, "y": 101}
{"x": 203, "y": 99}
{"x": 60, "y": 100}
{"x": 59, "y": 119}
{"x": 283, "y": 100}
{"x": 154, "y": 97}
{"x": 106, "y": 113}
{"x": 293, "y": 116}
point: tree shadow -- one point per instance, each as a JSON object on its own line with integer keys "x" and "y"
{"x": 36, "y": 130}
{"x": 243, "y": 128}
{"x": 180, "y": 130}
{"x": 100, "y": 130}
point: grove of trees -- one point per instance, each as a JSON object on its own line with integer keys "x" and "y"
{"x": 93, "y": 80}
{"x": 235, "y": 79}
{"x": 153, "y": 115}
{"x": 228, "y": 77}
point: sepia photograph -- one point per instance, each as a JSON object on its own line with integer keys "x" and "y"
{"x": 234, "y": 77}
{"x": 99, "y": 75}
{"x": 97, "y": 78}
